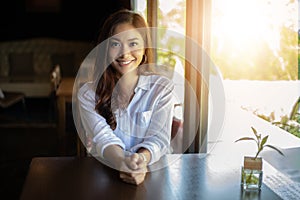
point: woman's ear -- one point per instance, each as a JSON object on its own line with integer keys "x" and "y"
{"x": 144, "y": 60}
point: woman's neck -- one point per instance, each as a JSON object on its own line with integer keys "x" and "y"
{"x": 127, "y": 82}
{"x": 125, "y": 89}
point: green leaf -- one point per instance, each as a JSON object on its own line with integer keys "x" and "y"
{"x": 245, "y": 138}
{"x": 254, "y": 131}
{"x": 257, "y": 135}
{"x": 276, "y": 149}
{"x": 264, "y": 140}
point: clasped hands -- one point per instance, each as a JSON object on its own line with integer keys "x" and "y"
{"x": 133, "y": 169}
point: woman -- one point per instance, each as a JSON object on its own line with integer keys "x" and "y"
{"x": 129, "y": 112}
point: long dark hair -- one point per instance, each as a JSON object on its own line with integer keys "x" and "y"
{"x": 110, "y": 76}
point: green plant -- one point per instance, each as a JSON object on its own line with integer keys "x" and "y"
{"x": 260, "y": 142}
{"x": 288, "y": 122}
{"x": 251, "y": 171}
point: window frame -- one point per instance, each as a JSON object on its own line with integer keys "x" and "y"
{"x": 197, "y": 29}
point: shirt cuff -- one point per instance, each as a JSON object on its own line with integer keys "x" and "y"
{"x": 155, "y": 152}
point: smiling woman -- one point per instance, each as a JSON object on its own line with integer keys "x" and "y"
{"x": 126, "y": 110}
{"x": 126, "y": 51}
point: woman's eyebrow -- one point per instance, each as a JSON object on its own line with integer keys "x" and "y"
{"x": 131, "y": 39}
{"x": 114, "y": 39}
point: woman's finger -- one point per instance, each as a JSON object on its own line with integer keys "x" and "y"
{"x": 136, "y": 180}
{"x": 135, "y": 157}
{"x": 131, "y": 162}
{"x": 133, "y": 178}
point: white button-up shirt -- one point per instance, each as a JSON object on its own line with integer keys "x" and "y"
{"x": 145, "y": 123}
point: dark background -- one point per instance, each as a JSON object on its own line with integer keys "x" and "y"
{"x": 63, "y": 19}
{"x": 33, "y": 133}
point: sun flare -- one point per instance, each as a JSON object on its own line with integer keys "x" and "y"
{"x": 255, "y": 39}
{"x": 245, "y": 24}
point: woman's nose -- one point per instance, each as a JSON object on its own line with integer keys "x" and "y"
{"x": 124, "y": 50}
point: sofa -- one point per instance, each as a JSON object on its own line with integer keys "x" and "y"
{"x": 26, "y": 65}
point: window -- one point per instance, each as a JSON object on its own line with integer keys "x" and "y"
{"x": 175, "y": 43}
{"x": 169, "y": 43}
{"x": 255, "y": 44}
{"x": 255, "y": 39}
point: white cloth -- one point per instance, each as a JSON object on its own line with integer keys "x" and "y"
{"x": 146, "y": 122}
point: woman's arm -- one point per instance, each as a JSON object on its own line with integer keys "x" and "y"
{"x": 145, "y": 155}
{"x": 93, "y": 123}
{"x": 114, "y": 154}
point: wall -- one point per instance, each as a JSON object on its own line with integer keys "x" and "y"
{"x": 63, "y": 19}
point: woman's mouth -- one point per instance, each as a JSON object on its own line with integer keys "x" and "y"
{"x": 123, "y": 63}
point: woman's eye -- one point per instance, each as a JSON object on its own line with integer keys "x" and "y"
{"x": 132, "y": 44}
{"x": 115, "y": 44}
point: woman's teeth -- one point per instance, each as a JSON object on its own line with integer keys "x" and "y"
{"x": 125, "y": 62}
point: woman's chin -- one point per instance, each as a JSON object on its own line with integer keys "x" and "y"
{"x": 129, "y": 71}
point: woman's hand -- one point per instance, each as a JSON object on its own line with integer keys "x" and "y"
{"x": 136, "y": 161}
{"x": 133, "y": 178}
{"x": 134, "y": 170}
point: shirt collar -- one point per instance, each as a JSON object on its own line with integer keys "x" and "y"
{"x": 143, "y": 83}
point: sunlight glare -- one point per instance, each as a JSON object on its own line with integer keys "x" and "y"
{"x": 245, "y": 24}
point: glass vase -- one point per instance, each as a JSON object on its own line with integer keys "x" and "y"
{"x": 251, "y": 173}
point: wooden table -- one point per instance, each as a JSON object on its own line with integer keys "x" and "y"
{"x": 190, "y": 176}
{"x": 64, "y": 95}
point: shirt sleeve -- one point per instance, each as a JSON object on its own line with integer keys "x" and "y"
{"x": 93, "y": 123}
{"x": 158, "y": 135}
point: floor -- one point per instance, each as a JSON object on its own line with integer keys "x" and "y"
{"x": 28, "y": 133}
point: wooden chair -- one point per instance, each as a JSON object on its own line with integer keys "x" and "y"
{"x": 8, "y": 99}
{"x": 55, "y": 78}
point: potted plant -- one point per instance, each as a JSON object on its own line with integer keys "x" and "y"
{"x": 252, "y": 168}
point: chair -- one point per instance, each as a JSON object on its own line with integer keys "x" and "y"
{"x": 55, "y": 78}
{"x": 177, "y": 131}
{"x": 8, "y": 99}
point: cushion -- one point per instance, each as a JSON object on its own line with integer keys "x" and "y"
{"x": 21, "y": 66}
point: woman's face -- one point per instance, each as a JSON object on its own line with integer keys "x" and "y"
{"x": 126, "y": 49}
